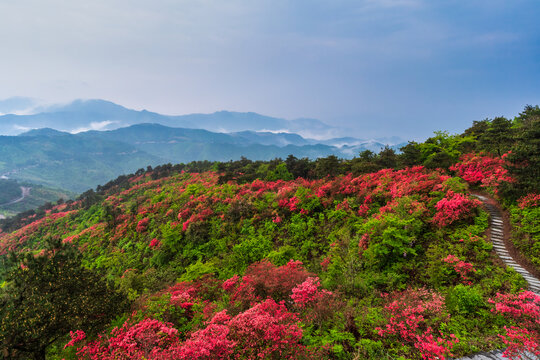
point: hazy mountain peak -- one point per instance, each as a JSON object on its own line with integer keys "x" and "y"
{"x": 96, "y": 114}
{"x": 16, "y": 104}
{"x": 44, "y": 132}
{"x": 96, "y": 106}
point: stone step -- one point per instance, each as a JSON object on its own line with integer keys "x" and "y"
{"x": 496, "y": 223}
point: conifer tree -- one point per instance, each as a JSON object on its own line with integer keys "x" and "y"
{"x": 47, "y": 295}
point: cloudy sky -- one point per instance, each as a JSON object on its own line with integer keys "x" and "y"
{"x": 379, "y": 67}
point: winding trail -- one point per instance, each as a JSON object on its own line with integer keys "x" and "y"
{"x": 25, "y": 191}
{"x": 496, "y": 225}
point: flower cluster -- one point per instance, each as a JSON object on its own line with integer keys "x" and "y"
{"x": 142, "y": 225}
{"x": 267, "y": 331}
{"x": 524, "y": 308}
{"x": 409, "y": 314}
{"x": 263, "y": 280}
{"x": 154, "y": 244}
{"x": 453, "y": 207}
{"x": 308, "y": 292}
{"x": 464, "y": 269}
{"x": 531, "y": 200}
{"x": 482, "y": 169}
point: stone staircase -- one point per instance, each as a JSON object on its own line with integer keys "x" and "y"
{"x": 496, "y": 224}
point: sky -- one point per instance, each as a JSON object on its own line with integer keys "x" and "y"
{"x": 376, "y": 67}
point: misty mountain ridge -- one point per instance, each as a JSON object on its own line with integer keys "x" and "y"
{"x": 86, "y": 115}
{"x": 80, "y": 161}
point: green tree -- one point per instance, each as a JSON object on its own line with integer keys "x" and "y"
{"x": 298, "y": 167}
{"x": 387, "y": 158}
{"x": 279, "y": 173}
{"x": 410, "y": 155}
{"x": 499, "y": 136}
{"x": 329, "y": 165}
{"x": 442, "y": 150}
{"x": 366, "y": 162}
{"x": 478, "y": 128}
{"x": 525, "y": 156}
{"x": 48, "y": 295}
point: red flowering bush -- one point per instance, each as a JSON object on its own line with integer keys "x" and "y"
{"x": 529, "y": 201}
{"x": 142, "y": 225}
{"x": 148, "y": 339}
{"x": 413, "y": 318}
{"x": 453, "y": 207}
{"x": 464, "y": 269}
{"x": 485, "y": 170}
{"x": 524, "y": 308}
{"x": 210, "y": 343}
{"x": 266, "y": 331}
{"x": 264, "y": 280}
{"x": 308, "y": 292}
{"x": 154, "y": 244}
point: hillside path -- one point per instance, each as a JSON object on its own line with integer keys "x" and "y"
{"x": 25, "y": 191}
{"x": 497, "y": 235}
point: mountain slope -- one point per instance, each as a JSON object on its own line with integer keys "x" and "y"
{"x": 64, "y": 161}
{"x": 80, "y": 161}
{"x": 185, "y": 145}
{"x": 383, "y": 265}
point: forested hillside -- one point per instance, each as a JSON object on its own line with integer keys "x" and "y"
{"x": 385, "y": 256}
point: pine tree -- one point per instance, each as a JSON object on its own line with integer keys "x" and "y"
{"x": 47, "y": 295}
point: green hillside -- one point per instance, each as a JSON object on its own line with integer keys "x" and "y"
{"x": 384, "y": 256}
{"x": 64, "y": 161}
{"x": 12, "y": 201}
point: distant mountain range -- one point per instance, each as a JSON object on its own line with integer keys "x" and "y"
{"x": 83, "y": 115}
{"x": 68, "y": 151}
{"x": 21, "y": 115}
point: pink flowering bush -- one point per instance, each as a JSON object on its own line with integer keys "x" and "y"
{"x": 308, "y": 292}
{"x": 148, "y": 339}
{"x": 266, "y": 331}
{"x": 142, "y": 225}
{"x": 154, "y": 244}
{"x": 529, "y": 201}
{"x": 264, "y": 280}
{"x": 413, "y": 318}
{"x": 462, "y": 268}
{"x": 210, "y": 343}
{"x": 454, "y": 207}
{"x": 483, "y": 170}
{"x": 524, "y": 308}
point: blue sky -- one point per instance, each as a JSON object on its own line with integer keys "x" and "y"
{"x": 378, "y": 67}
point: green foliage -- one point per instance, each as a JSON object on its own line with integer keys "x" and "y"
{"x": 498, "y": 138}
{"x": 47, "y": 296}
{"x": 465, "y": 300}
{"x": 359, "y": 236}
{"x": 525, "y": 156}
{"x": 442, "y": 150}
{"x": 526, "y": 233}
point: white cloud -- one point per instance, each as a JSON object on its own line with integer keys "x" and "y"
{"x": 23, "y": 128}
{"x": 101, "y": 125}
